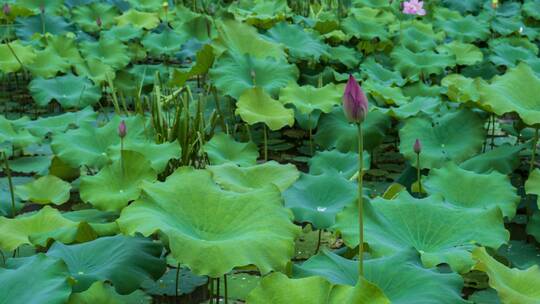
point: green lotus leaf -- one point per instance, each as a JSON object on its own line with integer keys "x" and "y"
{"x": 300, "y": 43}
{"x": 520, "y": 254}
{"x": 421, "y": 89}
{"x": 440, "y": 232}
{"x": 336, "y": 132}
{"x": 507, "y": 25}
{"x": 531, "y": 8}
{"x": 159, "y": 155}
{"x": 460, "y": 88}
{"x": 308, "y": 98}
{"x": 404, "y": 279}
{"x": 68, "y": 90}
{"x": 166, "y": 285}
{"x": 48, "y": 63}
{"x": 515, "y": 91}
{"x": 532, "y": 186}
{"x": 36, "y": 279}
{"x": 342, "y": 54}
{"x": 533, "y": 226}
{"x": 48, "y": 189}
{"x": 513, "y": 286}
{"x": 234, "y": 74}
{"x": 146, "y": 5}
{"x": 365, "y": 27}
{"x": 65, "y": 47}
{"x": 141, "y": 20}
{"x": 29, "y": 27}
{"x": 372, "y": 70}
{"x": 240, "y": 38}
{"x": 509, "y": 55}
{"x": 103, "y": 223}
{"x": 123, "y": 33}
{"x": 5, "y": 194}
{"x": 31, "y": 164}
{"x": 255, "y": 106}
{"x": 124, "y": 261}
{"x": 222, "y": 149}
{"x": 9, "y": 63}
{"x": 211, "y": 230}
{"x": 262, "y": 14}
{"x": 466, "y": 29}
{"x": 473, "y": 190}
{"x": 200, "y": 28}
{"x": 246, "y": 179}
{"x": 108, "y": 51}
{"x": 317, "y": 199}
{"x": 36, "y": 5}
{"x": 277, "y": 288}
{"x": 504, "y": 159}
{"x": 101, "y": 292}
{"x": 420, "y": 64}
{"x": 87, "y": 15}
{"x": 329, "y": 162}
{"x": 385, "y": 94}
{"x": 59, "y": 123}
{"x": 485, "y": 296}
{"x": 419, "y": 36}
{"x": 417, "y": 107}
{"x": 166, "y": 43}
{"x": 19, "y": 137}
{"x": 442, "y": 138}
{"x": 118, "y": 183}
{"x": 96, "y": 70}
{"x": 39, "y": 228}
{"x": 465, "y": 53}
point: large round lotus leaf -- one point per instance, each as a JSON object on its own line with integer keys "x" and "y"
{"x": 532, "y": 186}
{"x": 461, "y": 89}
{"x": 260, "y": 13}
{"x": 301, "y": 44}
{"x": 69, "y": 90}
{"x": 104, "y": 293}
{"x": 504, "y": 159}
{"x": 146, "y": 5}
{"x": 419, "y": 36}
{"x": 233, "y": 74}
{"x": 384, "y": 94}
{"x": 59, "y": 123}
{"x": 513, "y": 286}
{"x": 96, "y": 70}
{"x": 48, "y": 63}
{"x": 27, "y": 27}
{"x": 373, "y": 70}
{"x": 138, "y": 19}
{"x": 401, "y": 277}
{"x": 89, "y": 144}
{"x": 515, "y": 91}
{"x": 65, "y": 47}
{"x": 245, "y": 179}
{"x": 36, "y": 279}
{"x": 166, "y": 285}
{"x": 255, "y": 106}
{"x": 158, "y": 154}
{"x": 243, "y": 39}
{"x": 38, "y": 228}
{"x": 118, "y": 183}
{"x": 318, "y": 198}
{"x": 166, "y": 43}
{"x": 124, "y": 261}
{"x": 507, "y": 25}
{"x": 365, "y": 27}
{"x": 19, "y": 137}
{"x": 48, "y": 189}
{"x": 336, "y": 132}
{"x": 123, "y": 33}
{"x": 344, "y": 164}
{"x": 86, "y": 16}
{"x": 465, "y": 53}
{"x": 277, "y": 288}
{"x": 222, "y": 149}
{"x": 5, "y": 194}
{"x": 442, "y": 233}
{"x": 442, "y": 138}
{"x": 531, "y": 8}
{"x": 108, "y": 51}
{"x": 308, "y": 98}
{"x": 509, "y": 55}
{"x": 420, "y": 64}
{"x": 211, "y": 230}
{"x": 417, "y": 107}
{"x": 473, "y": 190}
{"x": 9, "y": 63}
{"x": 103, "y": 223}
{"x": 520, "y": 254}
{"x": 465, "y": 29}
{"x": 342, "y": 54}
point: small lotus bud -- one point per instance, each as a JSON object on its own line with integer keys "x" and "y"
{"x": 494, "y": 4}
{"x": 6, "y": 9}
{"x": 355, "y": 103}
{"x": 99, "y": 22}
{"x": 122, "y": 129}
{"x": 417, "y": 146}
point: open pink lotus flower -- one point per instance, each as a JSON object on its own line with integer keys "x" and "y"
{"x": 414, "y": 7}
{"x": 355, "y": 103}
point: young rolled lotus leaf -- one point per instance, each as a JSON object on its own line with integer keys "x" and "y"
{"x": 300, "y": 43}
{"x": 19, "y": 137}
{"x": 405, "y": 279}
{"x": 108, "y": 51}
{"x": 308, "y": 98}
{"x": 211, "y": 230}
{"x": 515, "y": 91}
{"x": 158, "y": 154}
{"x": 465, "y": 53}
{"x": 87, "y": 15}
{"x": 317, "y": 199}
{"x": 27, "y": 28}
{"x": 440, "y": 232}
{"x": 513, "y": 286}
{"x": 344, "y": 164}
{"x": 101, "y": 292}
{"x": 473, "y": 190}
{"x": 233, "y": 74}
{"x": 122, "y": 260}
{"x": 421, "y": 64}
{"x": 532, "y": 186}
{"x": 167, "y": 42}
{"x": 47, "y": 189}
{"x": 9, "y": 63}
{"x": 246, "y": 179}
{"x": 141, "y": 20}
{"x": 255, "y": 106}
{"x": 277, "y": 288}
{"x": 443, "y": 138}
{"x": 222, "y": 149}
{"x": 35, "y": 279}
{"x": 69, "y": 90}
{"x": 117, "y": 183}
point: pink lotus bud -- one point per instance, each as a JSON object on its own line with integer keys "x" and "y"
{"x": 122, "y": 129}
{"x": 6, "y": 9}
{"x": 414, "y": 7}
{"x": 417, "y": 146}
{"x": 355, "y": 104}
{"x": 99, "y": 22}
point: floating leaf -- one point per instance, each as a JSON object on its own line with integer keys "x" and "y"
{"x": 138, "y": 19}
{"x": 166, "y": 43}
{"x": 308, "y": 98}
{"x": 300, "y": 43}
{"x": 159, "y": 155}
{"x": 255, "y": 106}
{"x": 420, "y": 64}
{"x": 465, "y": 53}
{"x": 86, "y": 16}
{"x": 48, "y": 63}
{"x": 48, "y": 189}
{"x": 345, "y": 164}
{"x": 222, "y": 149}
{"x": 68, "y": 90}
{"x": 27, "y": 28}
{"x": 466, "y": 29}
{"x": 110, "y": 52}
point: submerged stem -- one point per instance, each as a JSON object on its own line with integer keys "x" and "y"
{"x": 360, "y": 201}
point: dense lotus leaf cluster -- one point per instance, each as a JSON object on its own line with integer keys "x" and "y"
{"x": 233, "y": 176}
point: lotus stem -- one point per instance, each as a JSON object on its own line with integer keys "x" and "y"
{"x": 217, "y": 290}
{"x": 360, "y": 201}
{"x": 533, "y": 156}
{"x": 122, "y": 157}
{"x": 211, "y": 300}
{"x": 265, "y": 143}
{"x": 318, "y": 242}
{"x": 226, "y": 289}
{"x": 310, "y": 135}
{"x": 418, "y": 175}
{"x": 492, "y": 145}
{"x": 10, "y": 183}
{"x": 177, "y": 282}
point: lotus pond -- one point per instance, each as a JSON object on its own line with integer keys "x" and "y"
{"x": 287, "y": 152}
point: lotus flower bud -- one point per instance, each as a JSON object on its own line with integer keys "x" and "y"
{"x": 355, "y": 104}
{"x": 6, "y": 9}
{"x": 99, "y": 22}
{"x": 122, "y": 129}
{"x": 417, "y": 146}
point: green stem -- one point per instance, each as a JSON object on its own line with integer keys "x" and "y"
{"x": 177, "y": 283}
{"x": 226, "y": 289}
{"x": 310, "y": 135}
{"x": 10, "y": 183}
{"x": 533, "y": 156}
{"x": 318, "y": 242}
{"x": 211, "y": 300}
{"x": 492, "y": 145}
{"x": 122, "y": 156}
{"x": 360, "y": 201}
{"x": 265, "y": 143}
{"x": 418, "y": 176}
{"x": 217, "y": 291}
